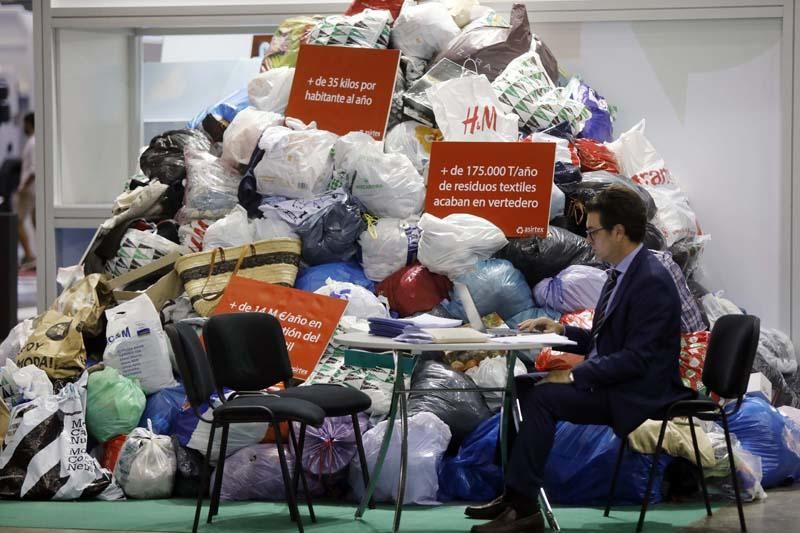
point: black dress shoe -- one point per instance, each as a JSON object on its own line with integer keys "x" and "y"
{"x": 488, "y": 511}
{"x": 509, "y": 522}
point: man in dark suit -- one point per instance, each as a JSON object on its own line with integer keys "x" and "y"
{"x": 630, "y": 372}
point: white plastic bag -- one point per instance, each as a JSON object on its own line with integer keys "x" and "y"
{"x": 564, "y": 152}
{"x": 16, "y": 339}
{"x": 715, "y": 306}
{"x": 147, "y": 464}
{"x": 137, "y": 345}
{"x": 491, "y": 373}
{"x": 467, "y": 109}
{"x": 24, "y": 384}
{"x": 453, "y": 244}
{"x": 242, "y": 134}
{"x": 296, "y": 163}
{"x": 428, "y": 438}
{"x": 558, "y": 202}
{"x": 413, "y": 140}
{"x": 45, "y": 454}
{"x": 361, "y": 303}
{"x": 232, "y": 230}
{"x": 674, "y": 217}
{"x": 423, "y": 30}
{"x": 69, "y": 276}
{"x": 461, "y": 10}
{"x": 388, "y": 246}
{"x": 639, "y": 159}
{"x": 272, "y": 227}
{"x": 387, "y": 184}
{"x": 269, "y": 91}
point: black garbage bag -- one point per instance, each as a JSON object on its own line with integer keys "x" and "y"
{"x": 653, "y": 238}
{"x": 190, "y": 470}
{"x": 332, "y": 234}
{"x": 163, "y": 159}
{"x": 461, "y": 411}
{"x": 544, "y": 257}
{"x": 687, "y": 253}
{"x": 248, "y": 194}
{"x": 565, "y": 173}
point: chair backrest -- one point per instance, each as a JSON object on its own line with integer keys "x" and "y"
{"x": 731, "y": 350}
{"x": 198, "y": 380}
{"x": 247, "y": 351}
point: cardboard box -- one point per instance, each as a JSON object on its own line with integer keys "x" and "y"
{"x": 167, "y": 287}
{"x": 759, "y": 383}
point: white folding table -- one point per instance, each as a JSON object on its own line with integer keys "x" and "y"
{"x": 400, "y": 392}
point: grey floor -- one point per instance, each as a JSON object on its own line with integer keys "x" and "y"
{"x": 780, "y": 512}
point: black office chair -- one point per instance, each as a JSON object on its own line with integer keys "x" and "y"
{"x": 334, "y": 400}
{"x": 729, "y": 359}
{"x": 247, "y": 371}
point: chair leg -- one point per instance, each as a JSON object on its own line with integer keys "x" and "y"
{"x": 700, "y": 467}
{"x": 652, "y": 477}
{"x": 213, "y": 509}
{"x": 734, "y": 477}
{"x": 298, "y": 455}
{"x": 287, "y": 483}
{"x": 204, "y": 475}
{"x": 362, "y": 456}
{"x": 298, "y": 465}
{"x": 613, "y": 490}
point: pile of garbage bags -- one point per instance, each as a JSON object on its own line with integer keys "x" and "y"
{"x": 347, "y": 213}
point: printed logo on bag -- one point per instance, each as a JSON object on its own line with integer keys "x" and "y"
{"x": 308, "y": 320}
{"x": 507, "y": 183}
{"x": 58, "y": 332}
{"x": 344, "y": 89}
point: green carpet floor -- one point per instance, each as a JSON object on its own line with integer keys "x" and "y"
{"x": 235, "y": 517}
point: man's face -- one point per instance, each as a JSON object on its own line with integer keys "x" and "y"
{"x": 599, "y": 237}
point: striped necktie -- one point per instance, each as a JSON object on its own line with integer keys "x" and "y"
{"x": 602, "y": 304}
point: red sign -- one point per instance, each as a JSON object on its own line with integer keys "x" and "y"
{"x": 309, "y": 320}
{"x": 507, "y": 183}
{"x": 344, "y": 89}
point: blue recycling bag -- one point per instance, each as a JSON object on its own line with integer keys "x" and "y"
{"x": 473, "y": 474}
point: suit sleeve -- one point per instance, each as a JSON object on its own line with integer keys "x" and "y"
{"x": 581, "y": 336}
{"x": 654, "y": 310}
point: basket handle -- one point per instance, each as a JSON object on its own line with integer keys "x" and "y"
{"x": 217, "y": 294}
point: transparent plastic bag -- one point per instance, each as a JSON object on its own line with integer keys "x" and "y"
{"x": 748, "y": 466}
{"x": 361, "y": 303}
{"x": 114, "y": 404}
{"x": 413, "y": 140}
{"x": 453, "y": 244}
{"x": 428, "y": 438}
{"x": 232, "y": 230}
{"x": 423, "y": 30}
{"x": 496, "y": 287}
{"x": 212, "y": 184}
{"x": 147, "y": 465}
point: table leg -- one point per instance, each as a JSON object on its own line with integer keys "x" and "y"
{"x": 401, "y": 487}
{"x": 548, "y": 511}
{"x": 387, "y": 438}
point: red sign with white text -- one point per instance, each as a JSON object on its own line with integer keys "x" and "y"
{"x": 344, "y": 89}
{"x": 507, "y": 183}
{"x": 308, "y": 320}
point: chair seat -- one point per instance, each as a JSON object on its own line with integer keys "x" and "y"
{"x": 701, "y": 407}
{"x": 335, "y": 400}
{"x": 251, "y": 409}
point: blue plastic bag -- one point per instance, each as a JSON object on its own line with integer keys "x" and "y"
{"x": 598, "y": 127}
{"x": 162, "y": 409}
{"x": 226, "y": 109}
{"x": 765, "y": 432}
{"x": 496, "y": 287}
{"x": 582, "y": 462}
{"x": 472, "y": 474}
{"x": 312, "y": 278}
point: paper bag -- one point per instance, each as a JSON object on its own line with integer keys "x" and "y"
{"x": 55, "y": 346}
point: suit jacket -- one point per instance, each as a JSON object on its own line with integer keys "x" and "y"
{"x": 638, "y": 346}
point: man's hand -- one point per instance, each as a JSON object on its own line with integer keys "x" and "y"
{"x": 542, "y": 325}
{"x": 555, "y": 376}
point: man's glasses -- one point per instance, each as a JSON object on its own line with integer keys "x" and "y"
{"x": 590, "y": 233}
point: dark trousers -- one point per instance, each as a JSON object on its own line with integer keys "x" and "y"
{"x": 541, "y": 408}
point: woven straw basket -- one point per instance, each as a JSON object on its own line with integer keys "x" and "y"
{"x": 205, "y": 275}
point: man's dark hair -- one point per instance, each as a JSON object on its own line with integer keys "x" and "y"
{"x": 620, "y": 205}
{"x": 28, "y": 120}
